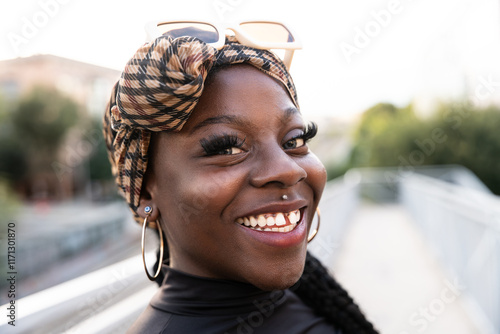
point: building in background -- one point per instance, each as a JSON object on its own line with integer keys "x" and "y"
{"x": 87, "y": 84}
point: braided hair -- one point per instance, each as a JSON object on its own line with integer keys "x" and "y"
{"x": 318, "y": 290}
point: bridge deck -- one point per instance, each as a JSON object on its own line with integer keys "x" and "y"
{"x": 386, "y": 265}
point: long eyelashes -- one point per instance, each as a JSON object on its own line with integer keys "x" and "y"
{"x": 310, "y": 132}
{"x": 301, "y": 139}
{"x": 221, "y": 144}
{"x": 230, "y": 143}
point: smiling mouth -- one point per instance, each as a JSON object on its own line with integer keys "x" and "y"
{"x": 272, "y": 222}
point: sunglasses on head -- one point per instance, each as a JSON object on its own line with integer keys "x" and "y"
{"x": 265, "y": 35}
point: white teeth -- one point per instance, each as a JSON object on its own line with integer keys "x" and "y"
{"x": 294, "y": 217}
{"x": 271, "y": 222}
{"x": 280, "y": 219}
{"x": 262, "y": 221}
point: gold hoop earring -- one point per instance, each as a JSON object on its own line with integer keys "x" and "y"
{"x": 317, "y": 227}
{"x": 148, "y": 211}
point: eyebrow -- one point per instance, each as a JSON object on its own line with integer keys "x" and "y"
{"x": 289, "y": 112}
{"x": 230, "y": 119}
{"x": 224, "y": 119}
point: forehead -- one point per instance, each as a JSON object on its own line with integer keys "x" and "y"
{"x": 242, "y": 92}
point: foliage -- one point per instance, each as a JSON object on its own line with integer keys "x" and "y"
{"x": 13, "y": 162}
{"x": 100, "y": 168}
{"x": 379, "y": 128}
{"x": 46, "y": 137}
{"x": 32, "y": 131}
{"x": 458, "y": 133}
{"x": 472, "y": 140}
{"x": 334, "y": 170}
{"x": 13, "y": 156}
{"x": 42, "y": 118}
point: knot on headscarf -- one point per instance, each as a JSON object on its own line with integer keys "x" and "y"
{"x": 158, "y": 90}
{"x": 162, "y": 83}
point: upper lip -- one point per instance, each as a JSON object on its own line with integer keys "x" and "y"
{"x": 275, "y": 208}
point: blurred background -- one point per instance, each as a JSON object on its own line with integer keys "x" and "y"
{"x": 407, "y": 98}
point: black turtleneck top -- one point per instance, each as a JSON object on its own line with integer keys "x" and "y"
{"x": 191, "y": 304}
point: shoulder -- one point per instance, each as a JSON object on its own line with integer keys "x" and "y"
{"x": 151, "y": 321}
{"x": 157, "y": 321}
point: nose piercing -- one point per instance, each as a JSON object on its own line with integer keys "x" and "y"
{"x": 284, "y": 197}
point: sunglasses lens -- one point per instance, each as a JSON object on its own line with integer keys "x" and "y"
{"x": 267, "y": 32}
{"x": 204, "y": 31}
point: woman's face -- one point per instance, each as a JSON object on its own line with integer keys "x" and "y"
{"x": 241, "y": 150}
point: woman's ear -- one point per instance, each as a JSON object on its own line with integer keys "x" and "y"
{"x": 147, "y": 199}
{"x": 143, "y": 203}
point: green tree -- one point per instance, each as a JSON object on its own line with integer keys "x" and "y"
{"x": 472, "y": 140}
{"x": 458, "y": 133}
{"x": 43, "y": 117}
{"x": 379, "y": 128}
{"x": 12, "y": 153}
{"x": 34, "y": 130}
{"x": 100, "y": 168}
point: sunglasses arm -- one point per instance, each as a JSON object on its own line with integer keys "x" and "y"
{"x": 287, "y": 60}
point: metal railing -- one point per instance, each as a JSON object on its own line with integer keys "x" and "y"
{"x": 463, "y": 227}
{"x": 459, "y": 218}
{"x": 110, "y": 299}
{"x": 338, "y": 204}
{"x": 64, "y": 308}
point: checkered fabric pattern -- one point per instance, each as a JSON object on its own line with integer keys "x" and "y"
{"x": 158, "y": 90}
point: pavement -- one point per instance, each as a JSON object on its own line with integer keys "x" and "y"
{"x": 390, "y": 271}
{"x": 378, "y": 255}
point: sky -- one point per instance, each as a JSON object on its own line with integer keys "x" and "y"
{"x": 355, "y": 53}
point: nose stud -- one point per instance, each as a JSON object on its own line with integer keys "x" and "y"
{"x": 284, "y": 197}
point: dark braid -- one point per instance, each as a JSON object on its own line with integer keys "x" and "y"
{"x": 319, "y": 290}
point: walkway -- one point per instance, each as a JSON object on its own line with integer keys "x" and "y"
{"x": 386, "y": 266}
{"x": 381, "y": 260}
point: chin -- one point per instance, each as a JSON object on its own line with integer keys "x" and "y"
{"x": 280, "y": 276}
{"x": 279, "y": 284}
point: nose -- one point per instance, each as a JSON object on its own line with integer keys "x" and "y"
{"x": 274, "y": 166}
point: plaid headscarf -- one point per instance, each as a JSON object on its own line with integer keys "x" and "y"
{"x": 158, "y": 90}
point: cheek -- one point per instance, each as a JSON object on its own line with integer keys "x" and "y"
{"x": 192, "y": 218}
{"x": 200, "y": 194}
{"x": 316, "y": 174}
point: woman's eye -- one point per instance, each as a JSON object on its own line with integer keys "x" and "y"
{"x": 301, "y": 140}
{"x": 225, "y": 144}
{"x": 231, "y": 150}
{"x": 294, "y": 143}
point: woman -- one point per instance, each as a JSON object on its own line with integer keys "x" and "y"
{"x": 208, "y": 146}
